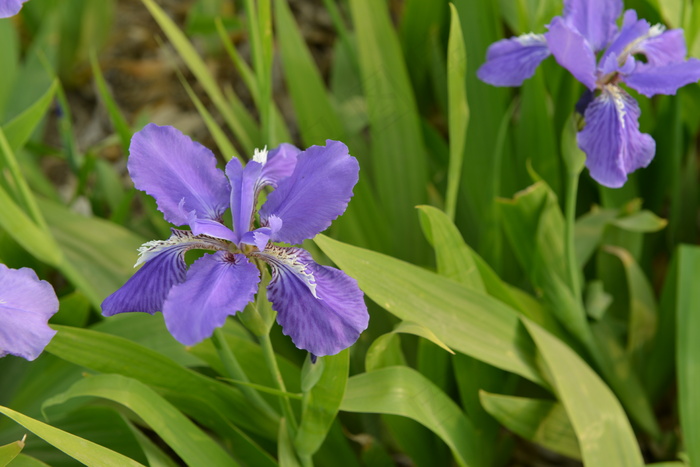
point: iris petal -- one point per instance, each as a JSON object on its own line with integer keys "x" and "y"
{"x": 10, "y": 7}
{"x": 509, "y": 62}
{"x": 593, "y": 19}
{"x": 179, "y": 173}
{"x": 667, "y": 79}
{"x": 243, "y": 194}
{"x": 26, "y": 304}
{"x": 572, "y": 51}
{"x": 280, "y": 165}
{"x": 164, "y": 266}
{"x": 321, "y": 308}
{"x": 611, "y": 139}
{"x": 663, "y": 49}
{"x": 317, "y": 192}
{"x": 217, "y": 285}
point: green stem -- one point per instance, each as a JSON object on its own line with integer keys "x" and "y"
{"x": 234, "y": 371}
{"x": 570, "y": 212}
{"x": 285, "y": 404}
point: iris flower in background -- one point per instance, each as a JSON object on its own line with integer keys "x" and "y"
{"x": 26, "y": 304}
{"x": 648, "y": 59}
{"x": 321, "y": 308}
{"x": 10, "y": 7}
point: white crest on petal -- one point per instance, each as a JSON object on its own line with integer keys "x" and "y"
{"x": 281, "y": 257}
{"x": 614, "y": 93}
{"x": 530, "y": 39}
{"x": 260, "y": 155}
{"x": 183, "y": 238}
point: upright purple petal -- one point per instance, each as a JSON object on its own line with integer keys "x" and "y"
{"x": 321, "y": 308}
{"x": 611, "y": 139}
{"x": 26, "y": 304}
{"x": 217, "y": 286}
{"x": 244, "y": 183}
{"x": 10, "y": 8}
{"x": 667, "y": 79}
{"x": 571, "y": 51}
{"x": 279, "y": 165}
{"x": 593, "y": 19}
{"x": 314, "y": 195}
{"x": 632, "y": 33}
{"x": 509, "y": 62}
{"x": 164, "y": 266}
{"x": 179, "y": 173}
{"x": 663, "y": 49}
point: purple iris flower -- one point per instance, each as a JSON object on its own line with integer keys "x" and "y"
{"x": 10, "y": 7}
{"x": 26, "y": 304}
{"x": 648, "y": 59}
{"x": 321, "y": 308}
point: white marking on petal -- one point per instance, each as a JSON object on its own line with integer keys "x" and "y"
{"x": 260, "y": 155}
{"x": 280, "y": 257}
{"x": 530, "y": 39}
{"x": 183, "y": 238}
{"x": 614, "y": 93}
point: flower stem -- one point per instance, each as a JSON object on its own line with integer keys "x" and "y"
{"x": 285, "y": 404}
{"x": 570, "y": 212}
{"x": 234, "y": 371}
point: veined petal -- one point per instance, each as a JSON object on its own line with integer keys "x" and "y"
{"x": 179, "y": 173}
{"x": 216, "y": 286}
{"x": 321, "y": 308}
{"x": 279, "y": 165}
{"x": 164, "y": 267}
{"x": 611, "y": 139}
{"x": 10, "y": 8}
{"x": 26, "y": 304}
{"x": 667, "y": 79}
{"x": 211, "y": 228}
{"x": 663, "y": 49}
{"x": 509, "y": 62}
{"x": 571, "y": 51}
{"x": 317, "y": 192}
{"x": 243, "y": 193}
{"x": 593, "y": 19}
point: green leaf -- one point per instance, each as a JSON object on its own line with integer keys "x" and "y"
{"x": 197, "y": 66}
{"x": 403, "y": 391}
{"x": 455, "y": 259}
{"x": 320, "y": 405}
{"x": 589, "y": 231}
{"x": 19, "y": 129}
{"x": 316, "y": 117}
{"x": 458, "y": 117}
{"x": 80, "y": 449}
{"x": 601, "y": 425}
{"x": 27, "y": 461}
{"x": 285, "y": 447}
{"x": 385, "y": 351}
{"x": 192, "y": 444}
{"x": 121, "y": 127}
{"x": 688, "y": 348}
{"x": 398, "y": 151}
{"x": 408, "y": 327}
{"x": 465, "y": 320}
{"x": 642, "y": 221}
{"x": 10, "y": 451}
{"x": 540, "y": 421}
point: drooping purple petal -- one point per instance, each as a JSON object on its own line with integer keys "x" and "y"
{"x": 211, "y": 228}
{"x": 279, "y": 165}
{"x": 163, "y": 267}
{"x": 216, "y": 286}
{"x": 321, "y": 308}
{"x": 179, "y": 173}
{"x": 667, "y": 79}
{"x": 663, "y": 49}
{"x": 593, "y": 19}
{"x": 10, "y": 8}
{"x": 571, "y": 51}
{"x": 509, "y": 62}
{"x": 611, "y": 139}
{"x": 314, "y": 195}
{"x": 26, "y": 304}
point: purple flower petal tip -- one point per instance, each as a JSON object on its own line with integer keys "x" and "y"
{"x": 10, "y": 7}
{"x": 317, "y": 192}
{"x": 611, "y": 139}
{"x": 179, "y": 173}
{"x": 572, "y": 51}
{"x": 217, "y": 285}
{"x": 321, "y": 308}
{"x": 509, "y": 62}
{"x": 26, "y": 304}
{"x": 593, "y": 19}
